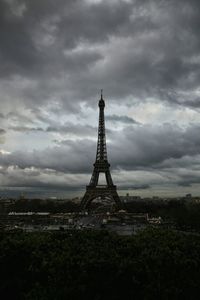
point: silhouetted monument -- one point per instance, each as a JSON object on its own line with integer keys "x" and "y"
{"x": 101, "y": 165}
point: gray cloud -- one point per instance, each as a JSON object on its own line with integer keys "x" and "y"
{"x": 168, "y": 151}
{"x": 132, "y": 148}
{"x": 122, "y": 119}
{"x": 73, "y": 156}
{"x": 135, "y": 187}
{"x": 65, "y": 129}
{"x": 25, "y": 128}
{"x": 39, "y": 178}
{"x": 146, "y": 145}
{"x": 74, "y": 129}
{"x": 2, "y": 136}
{"x": 2, "y": 131}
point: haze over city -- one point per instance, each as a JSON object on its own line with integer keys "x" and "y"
{"x": 55, "y": 56}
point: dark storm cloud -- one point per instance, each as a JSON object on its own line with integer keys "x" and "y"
{"x": 2, "y": 135}
{"x": 18, "y": 117}
{"x": 17, "y": 48}
{"x": 150, "y": 48}
{"x": 146, "y": 145}
{"x": 188, "y": 177}
{"x": 132, "y": 149}
{"x": 174, "y": 160}
{"x": 38, "y": 178}
{"x": 25, "y": 128}
{"x": 24, "y": 35}
{"x": 69, "y": 157}
{"x": 75, "y": 129}
{"x": 2, "y": 131}
{"x": 122, "y": 119}
{"x": 65, "y": 129}
{"x": 135, "y": 187}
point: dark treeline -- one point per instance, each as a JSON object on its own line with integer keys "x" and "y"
{"x": 184, "y": 214}
{"x": 35, "y": 205}
{"x": 155, "y": 264}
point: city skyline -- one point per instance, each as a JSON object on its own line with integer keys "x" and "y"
{"x": 55, "y": 58}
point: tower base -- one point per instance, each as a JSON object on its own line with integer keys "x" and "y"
{"x": 93, "y": 192}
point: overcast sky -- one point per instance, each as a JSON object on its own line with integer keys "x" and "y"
{"x": 55, "y": 56}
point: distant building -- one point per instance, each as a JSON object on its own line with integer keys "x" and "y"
{"x": 129, "y": 198}
{"x": 5, "y": 203}
{"x": 188, "y": 196}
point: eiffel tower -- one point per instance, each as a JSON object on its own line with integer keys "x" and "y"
{"x": 101, "y": 165}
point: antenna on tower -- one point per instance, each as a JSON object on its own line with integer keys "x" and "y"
{"x": 101, "y": 94}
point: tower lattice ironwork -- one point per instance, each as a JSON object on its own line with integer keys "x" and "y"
{"x": 101, "y": 165}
